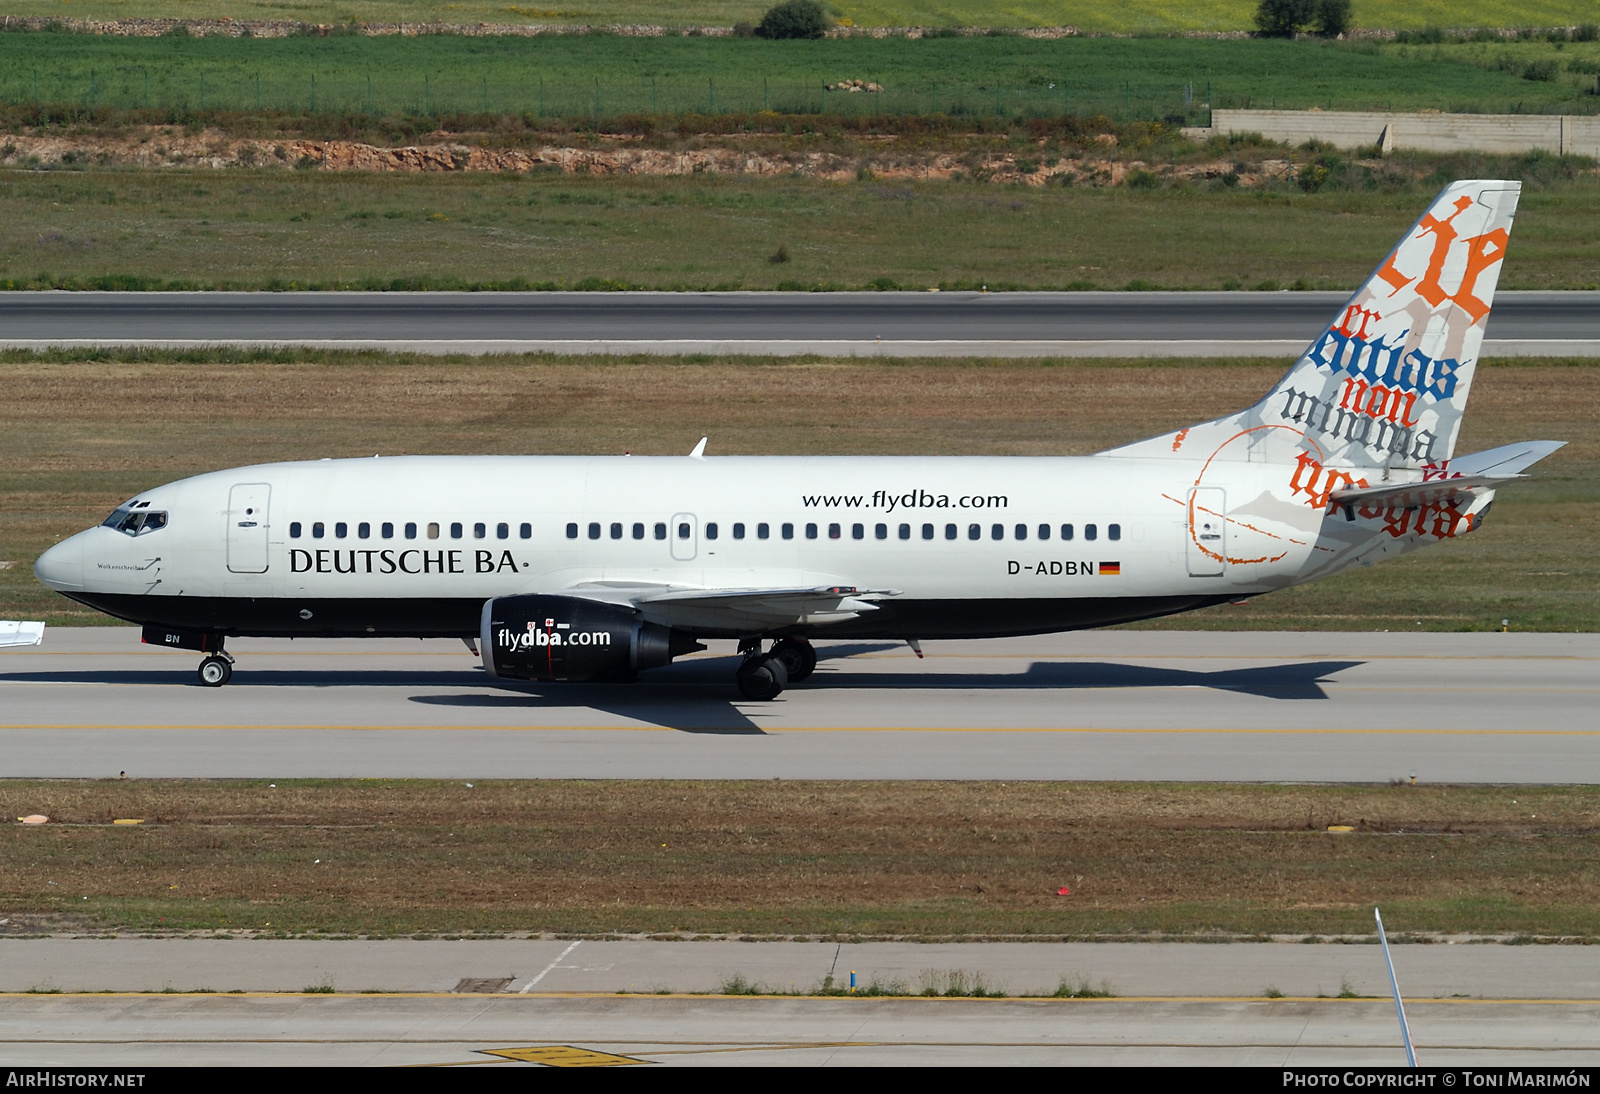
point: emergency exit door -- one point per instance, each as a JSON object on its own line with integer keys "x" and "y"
{"x": 247, "y": 527}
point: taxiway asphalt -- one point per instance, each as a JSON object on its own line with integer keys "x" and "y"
{"x": 128, "y": 1032}
{"x": 1245, "y": 706}
{"x": 846, "y": 323}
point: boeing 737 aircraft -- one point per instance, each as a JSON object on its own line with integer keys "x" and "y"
{"x": 595, "y": 568}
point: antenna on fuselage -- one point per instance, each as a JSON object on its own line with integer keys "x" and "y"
{"x": 699, "y": 452}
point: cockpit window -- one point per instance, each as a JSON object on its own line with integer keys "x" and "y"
{"x": 136, "y": 522}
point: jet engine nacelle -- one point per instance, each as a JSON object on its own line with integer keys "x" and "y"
{"x": 565, "y": 638}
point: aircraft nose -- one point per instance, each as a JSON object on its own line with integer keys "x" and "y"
{"x": 61, "y": 567}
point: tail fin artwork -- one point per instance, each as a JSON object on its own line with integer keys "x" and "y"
{"x": 1384, "y": 386}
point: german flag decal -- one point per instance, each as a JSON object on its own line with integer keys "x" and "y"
{"x": 1111, "y": 569}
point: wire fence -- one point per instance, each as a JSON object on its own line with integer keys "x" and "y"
{"x": 386, "y": 95}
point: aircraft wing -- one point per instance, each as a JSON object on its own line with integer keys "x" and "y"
{"x": 692, "y": 606}
{"x": 14, "y": 633}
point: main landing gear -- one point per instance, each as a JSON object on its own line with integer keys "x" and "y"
{"x": 216, "y": 670}
{"x": 763, "y": 676}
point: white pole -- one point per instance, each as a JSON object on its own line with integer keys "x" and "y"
{"x": 1399, "y": 1008}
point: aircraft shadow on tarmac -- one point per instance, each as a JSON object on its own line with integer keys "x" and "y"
{"x": 688, "y": 696}
{"x": 697, "y": 696}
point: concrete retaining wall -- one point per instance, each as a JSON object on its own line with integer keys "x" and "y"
{"x": 1565, "y": 134}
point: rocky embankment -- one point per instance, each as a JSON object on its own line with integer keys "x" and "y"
{"x": 214, "y": 151}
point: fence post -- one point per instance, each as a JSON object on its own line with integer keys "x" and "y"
{"x": 369, "y": 92}
{"x": 147, "y": 89}
{"x": 655, "y": 107}
{"x": 313, "y": 93}
{"x": 258, "y": 89}
{"x": 202, "y": 91}
{"x": 597, "y": 100}
{"x": 541, "y": 96}
{"x": 935, "y": 109}
{"x": 427, "y": 97}
{"x": 766, "y": 97}
{"x": 486, "y": 94}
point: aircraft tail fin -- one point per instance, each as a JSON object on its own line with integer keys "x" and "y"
{"x": 1386, "y": 382}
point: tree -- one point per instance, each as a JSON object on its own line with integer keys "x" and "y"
{"x": 1333, "y": 17}
{"x": 1286, "y": 18}
{"x": 793, "y": 19}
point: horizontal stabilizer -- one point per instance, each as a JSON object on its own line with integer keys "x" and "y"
{"x": 1408, "y": 495}
{"x": 14, "y": 633}
{"x": 1463, "y": 477}
{"x": 1505, "y": 461}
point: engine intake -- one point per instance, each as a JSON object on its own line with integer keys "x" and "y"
{"x": 565, "y": 638}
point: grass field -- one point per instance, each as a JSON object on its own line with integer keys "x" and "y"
{"x": 835, "y": 860}
{"x": 1090, "y": 15}
{"x": 280, "y": 229}
{"x": 78, "y": 440}
{"x": 606, "y": 76}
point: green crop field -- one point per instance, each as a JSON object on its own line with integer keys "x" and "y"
{"x": 604, "y": 76}
{"x": 1131, "y": 16}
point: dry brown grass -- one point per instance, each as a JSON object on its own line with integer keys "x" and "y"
{"x": 80, "y": 437}
{"x": 804, "y": 859}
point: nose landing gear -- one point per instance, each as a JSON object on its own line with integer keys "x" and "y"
{"x": 216, "y": 670}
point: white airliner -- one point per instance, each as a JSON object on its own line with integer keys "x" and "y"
{"x": 594, "y": 568}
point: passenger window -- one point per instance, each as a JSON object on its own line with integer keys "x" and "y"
{"x": 341, "y": 530}
{"x": 638, "y": 530}
{"x": 481, "y": 531}
{"x": 661, "y": 530}
{"x": 811, "y": 531}
{"x": 974, "y": 531}
{"x": 294, "y": 529}
{"x": 905, "y": 531}
{"x": 455, "y": 530}
{"x": 1044, "y": 531}
{"x": 316, "y": 530}
{"x": 1022, "y": 531}
{"x": 880, "y": 531}
{"x": 949, "y": 531}
{"x": 594, "y": 529}
{"x": 711, "y": 530}
{"x": 788, "y": 531}
{"x": 683, "y": 531}
{"x": 364, "y": 530}
{"x": 833, "y": 531}
{"x": 527, "y": 532}
{"x": 503, "y": 531}
{"x": 616, "y": 529}
{"x": 858, "y": 531}
{"x": 927, "y": 531}
{"x": 1066, "y": 531}
{"x": 997, "y": 531}
{"x": 433, "y": 529}
{"x": 738, "y": 531}
{"x": 572, "y": 531}
{"x": 1090, "y": 532}
{"x": 763, "y": 531}
{"x": 411, "y": 529}
{"x": 1113, "y": 531}
{"x": 388, "y": 530}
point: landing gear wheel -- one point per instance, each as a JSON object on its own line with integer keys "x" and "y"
{"x": 215, "y": 671}
{"x": 762, "y": 678}
{"x": 799, "y": 657}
